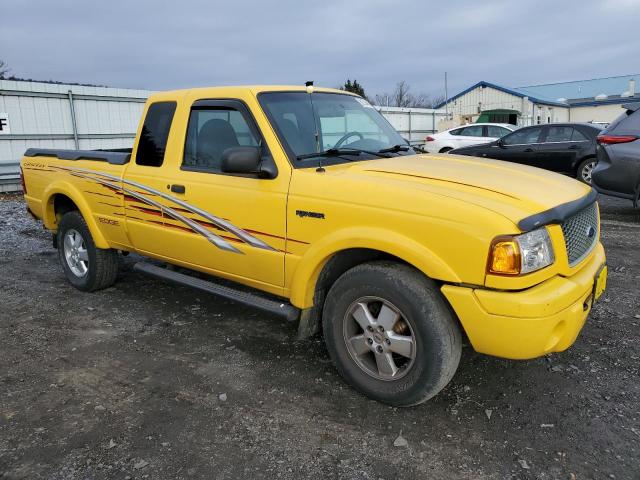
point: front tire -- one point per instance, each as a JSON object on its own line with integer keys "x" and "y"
{"x": 87, "y": 267}
{"x": 390, "y": 333}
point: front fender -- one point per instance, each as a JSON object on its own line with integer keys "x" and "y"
{"x": 68, "y": 189}
{"x": 387, "y": 241}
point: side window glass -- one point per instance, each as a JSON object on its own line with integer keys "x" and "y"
{"x": 155, "y": 132}
{"x": 559, "y": 134}
{"x": 578, "y": 136}
{"x": 456, "y": 131}
{"x": 523, "y": 137}
{"x": 474, "y": 131}
{"x": 496, "y": 132}
{"x": 210, "y": 132}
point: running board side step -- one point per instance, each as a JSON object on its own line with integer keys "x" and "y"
{"x": 285, "y": 310}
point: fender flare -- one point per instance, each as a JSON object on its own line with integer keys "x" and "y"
{"x": 69, "y": 190}
{"x": 393, "y": 243}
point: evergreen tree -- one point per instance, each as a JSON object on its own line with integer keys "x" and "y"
{"x": 354, "y": 87}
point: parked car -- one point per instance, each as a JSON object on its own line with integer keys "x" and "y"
{"x": 618, "y": 151}
{"x": 464, "y": 136}
{"x": 568, "y": 148}
{"x": 392, "y": 255}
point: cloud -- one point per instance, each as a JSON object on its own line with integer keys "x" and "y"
{"x": 173, "y": 44}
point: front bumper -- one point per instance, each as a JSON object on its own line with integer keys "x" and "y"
{"x": 528, "y": 323}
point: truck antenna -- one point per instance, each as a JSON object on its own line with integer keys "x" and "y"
{"x": 309, "y": 85}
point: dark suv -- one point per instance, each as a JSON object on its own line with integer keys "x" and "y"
{"x": 618, "y": 170}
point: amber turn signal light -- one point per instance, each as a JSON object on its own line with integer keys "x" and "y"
{"x": 504, "y": 257}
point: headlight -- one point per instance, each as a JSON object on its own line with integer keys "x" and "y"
{"x": 520, "y": 254}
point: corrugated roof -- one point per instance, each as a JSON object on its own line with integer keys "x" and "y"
{"x": 581, "y": 88}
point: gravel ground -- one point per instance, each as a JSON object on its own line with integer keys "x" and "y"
{"x": 148, "y": 380}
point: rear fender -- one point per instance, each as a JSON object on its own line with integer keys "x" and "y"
{"x": 69, "y": 190}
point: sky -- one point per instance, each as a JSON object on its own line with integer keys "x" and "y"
{"x": 162, "y": 45}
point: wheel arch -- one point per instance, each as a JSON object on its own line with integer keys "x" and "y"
{"x": 580, "y": 161}
{"x": 59, "y": 198}
{"x": 327, "y": 260}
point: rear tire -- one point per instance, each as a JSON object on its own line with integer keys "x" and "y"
{"x": 445, "y": 150}
{"x": 585, "y": 170}
{"x": 87, "y": 267}
{"x": 390, "y": 333}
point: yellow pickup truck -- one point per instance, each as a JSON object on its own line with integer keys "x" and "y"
{"x": 318, "y": 210}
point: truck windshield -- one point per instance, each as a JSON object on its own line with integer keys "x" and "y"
{"x": 320, "y": 122}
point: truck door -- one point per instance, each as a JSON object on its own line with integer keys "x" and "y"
{"x": 228, "y": 225}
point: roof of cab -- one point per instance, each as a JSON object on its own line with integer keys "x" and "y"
{"x": 234, "y": 90}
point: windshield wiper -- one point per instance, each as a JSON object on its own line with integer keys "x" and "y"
{"x": 395, "y": 149}
{"x": 336, "y": 152}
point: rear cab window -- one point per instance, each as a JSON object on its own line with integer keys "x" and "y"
{"x": 154, "y": 135}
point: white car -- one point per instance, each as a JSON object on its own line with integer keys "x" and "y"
{"x": 466, "y": 135}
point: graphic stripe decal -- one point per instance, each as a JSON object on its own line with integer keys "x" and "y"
{"x": 223, "y": 224}
{"x": 216, "y": 240}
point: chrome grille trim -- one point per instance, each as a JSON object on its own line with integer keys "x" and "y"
{"x": 576, "y": 231}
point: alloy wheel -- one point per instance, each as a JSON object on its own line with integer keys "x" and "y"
{"x": 379, "y": 338}
{"x": 75, "y": 253}
{"x": 587, "y": 172}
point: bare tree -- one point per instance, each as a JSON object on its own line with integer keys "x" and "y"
{"x": 435, "y": 101}
{"x": 402, "y": 97}
{"x": 4, "y": 69}
{"x": 383, "y": 99}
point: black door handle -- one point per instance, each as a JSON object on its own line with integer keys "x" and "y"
{"x": 573, "y": 147}
{"x": 528, "y": 150}
{"x": 177, "y": 188}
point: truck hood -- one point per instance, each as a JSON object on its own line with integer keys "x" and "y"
{"x": 512, "y": 190}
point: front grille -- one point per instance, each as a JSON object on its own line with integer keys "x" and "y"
{"x": 581, "y": 233}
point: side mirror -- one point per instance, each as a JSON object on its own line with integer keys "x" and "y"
{"x": 500, "y": 142}
{"x": 247, "y": 161}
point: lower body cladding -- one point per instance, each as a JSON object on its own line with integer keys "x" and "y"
{"x": 529, "y": 323}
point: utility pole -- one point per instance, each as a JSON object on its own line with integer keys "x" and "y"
{"x": 446, "y": 97}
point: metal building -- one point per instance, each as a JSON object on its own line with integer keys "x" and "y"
{"x": 489, "y": 102}
{"x": 595, "y": 100}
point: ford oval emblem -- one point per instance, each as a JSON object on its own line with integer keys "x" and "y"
{"x": 591, "y": 231}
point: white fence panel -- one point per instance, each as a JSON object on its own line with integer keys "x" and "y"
{"x": 414, "y": 124}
